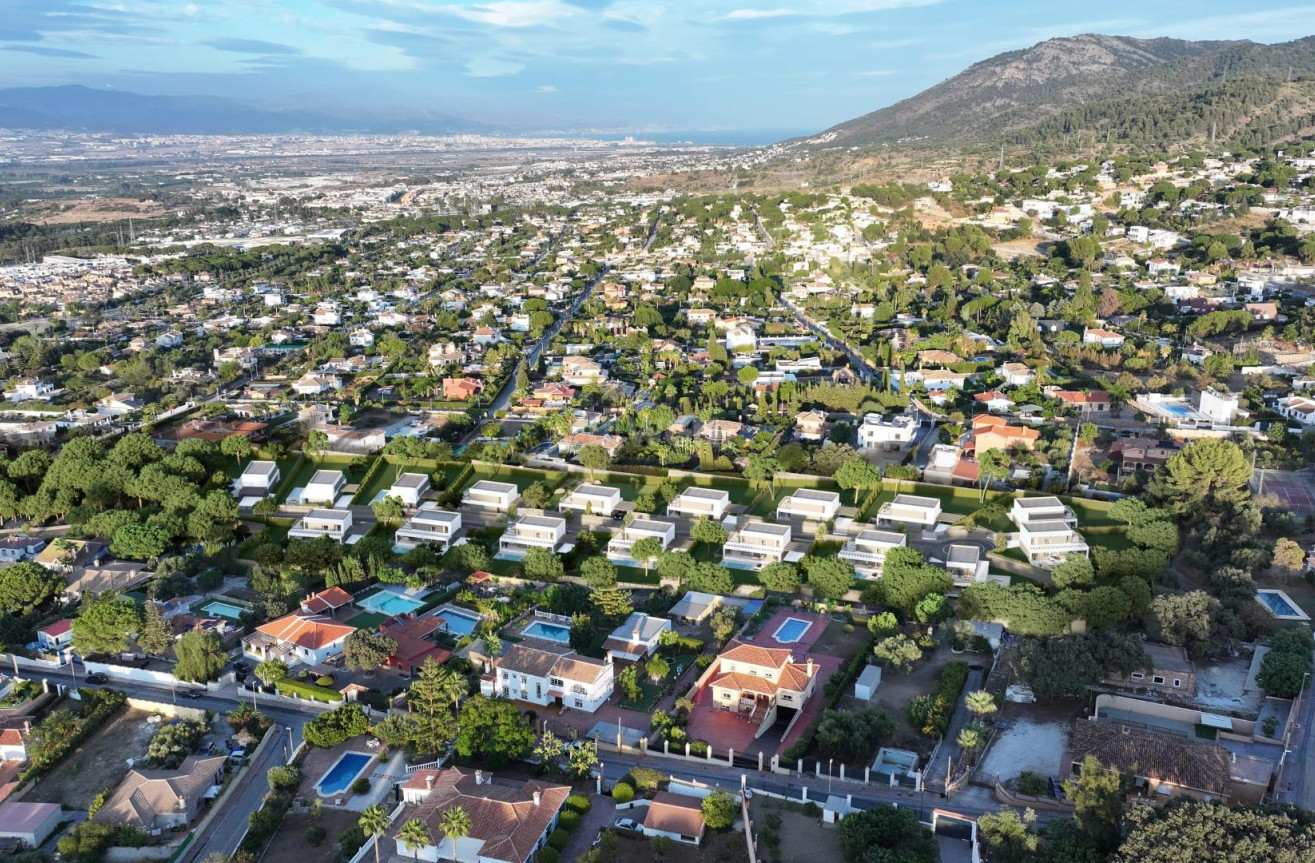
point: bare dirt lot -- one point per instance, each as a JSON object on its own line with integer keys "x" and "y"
{"x": 897, "y": 690}
{"x": 99, "y": 763}
{"x": 98, "y": 210}
{"x": 725, "y": 846}
{"x": 290, "y": 842}
{"x": 802, "y": 838}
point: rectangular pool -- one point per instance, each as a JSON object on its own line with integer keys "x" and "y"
{"x": 221, "y": 609}
{"x": 389, "y": 603}
{"x": 343, "y": 773}
{"x": 1280, "y": 605}
{"x": 459, "y": 621}
{"x": 791, "y": 630}
{"x": 548, "y": 632}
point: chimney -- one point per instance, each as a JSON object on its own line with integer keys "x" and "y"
{"x": 536, "y": 798}
{"x": 479, "y": 777}
{"x": 182, "y": 804}
{"x": 810, "y": 666}
{"x": 429, "y": 781}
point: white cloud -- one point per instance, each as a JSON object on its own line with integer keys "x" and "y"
{"x": 516, "y": 13}
{"x": 492, "y": 67}
{"x": 545, "y": 88}
{"x": 756, "y": 14}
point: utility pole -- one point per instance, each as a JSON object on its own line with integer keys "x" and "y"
{"x": 1002, "y": 157}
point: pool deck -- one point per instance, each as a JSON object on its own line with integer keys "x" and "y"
{"x": 766, "y": 636}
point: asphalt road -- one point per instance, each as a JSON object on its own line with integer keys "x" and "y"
{"x": 223, "y": 834}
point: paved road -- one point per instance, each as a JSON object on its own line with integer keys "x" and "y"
{"x": 1296, "y": 784}
{"x": 857, "y": 362}
{"x": 222, "y": 835}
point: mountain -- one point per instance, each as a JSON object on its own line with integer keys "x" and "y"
{"x": 82, "y": 108}
{"x": 1103, "y": 87}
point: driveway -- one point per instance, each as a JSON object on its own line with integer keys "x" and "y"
{"x": 599, "y": 816}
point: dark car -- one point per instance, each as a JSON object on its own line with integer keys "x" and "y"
{"x": 194, "y": 693}
{"x": 97, "y": 678}
{"x": 242, "y": 665}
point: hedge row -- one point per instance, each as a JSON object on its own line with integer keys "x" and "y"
{"x": 933, "y": 712}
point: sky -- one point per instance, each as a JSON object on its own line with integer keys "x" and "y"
{"x": 620, "y": 65}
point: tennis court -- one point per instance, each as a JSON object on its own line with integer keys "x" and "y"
{"x": 1293, "y": 489}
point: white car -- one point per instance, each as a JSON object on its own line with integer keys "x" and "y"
{"x": 627, "y": 824}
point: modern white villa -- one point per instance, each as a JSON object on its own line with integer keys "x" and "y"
{"x": 877, "y": 432}
{"x": 258, "y": 478}
{"x": 756, "y": 544}
{"x": 910, "y": 509}
{"x": 487, "y": 494}
{"x": 429, "y": 526}
{"x": 618, "y": 547}
{"x": 1047, "y": 530}
{"x": 333, "y": 523}
{"x": 965, "y": 564}
{"x": 700, "y": 502}
{"x": 533, "y": 531}
{"x": 324, "y": 487}
{"x": 409, "y": 488}
{"x": 867, "y": 550}
{"x": 593, "y": 499}
{"x": 809, "y": 504}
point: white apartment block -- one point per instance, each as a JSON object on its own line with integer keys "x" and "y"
{"x": 877, "y": 432}
{"x": 486, "y": 494}
{"x": 324, "y": 487}
{"x": 867, "y": 550}
{"x": 809, "y": 504}
{"x": 593, "y": 499}
{"x": 1046, "y": 530}
{"x": 409, "y": 488}
{"x": 700, "y": 502}
{"x": 756, "y": 544}
{"x": 533, "y": 531}
{"x": 618, "y": 547}
{"x": 429, "y": 526}
{"x": 333, "y": 523}
{"x": 910, "y": 509}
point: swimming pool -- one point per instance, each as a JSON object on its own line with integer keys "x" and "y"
{"x": 548, "y": 632}
{"x": 459, "y": 622}
{"x": 343, "y": 773}
{"x": 1280, "y": 605}
{"x": 389, "y": 603}
{"x": 221, "y": 608}
{"x": 791, "y": 630}
{"x": 1175, "y": 408}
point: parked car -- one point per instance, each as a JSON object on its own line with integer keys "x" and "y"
{"x": 97, "y": 678}
{"x": 628, "y": 824}
{"x": 242, "y": 665}
{"x": 194, "y": 693}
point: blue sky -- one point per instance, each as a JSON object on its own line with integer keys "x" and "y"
{"x": 795, "y": 65}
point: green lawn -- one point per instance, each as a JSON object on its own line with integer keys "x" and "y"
{"x": 1091, "y": 513}
{"x": 522, "y": 477}
{"x": 650, "y": 695}
{"x": 367, "y": 620}
{"x": 1115, "y": 541}
{"x": 767, "y": 505}
{"x": 383, "y": 478}
{"x": 307, "y": 690}
{"x": 310, "y": 466}
{"x": 740, "y": 492}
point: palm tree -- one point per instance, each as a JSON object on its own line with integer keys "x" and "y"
{"x": 374, "y": 821}
{"x": 456, "y": 826}
{"x": 980, "y": 703}
{"x": 414, "y": 836}
{"x": 971, "y": 738}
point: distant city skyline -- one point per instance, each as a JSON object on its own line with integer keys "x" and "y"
{"x": 798, "y": 65}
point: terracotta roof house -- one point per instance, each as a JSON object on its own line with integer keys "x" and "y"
{"x": 1094, "y": 402}
{"x": 460, "y": 389}
{"x": 755, "y": 680}
{"x": 676, "y": 816}
{"x": 163, "y": 799}
{"x": 993, "y": 432}
{"x": 326, "y": 601}
{"x": 297, "y": 637}
{"x": 1162, "y": 765}
{"x": 509, "y": 821}
{"x": 414, "y": 646}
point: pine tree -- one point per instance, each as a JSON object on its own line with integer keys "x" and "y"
{"x": 156, "y": 636}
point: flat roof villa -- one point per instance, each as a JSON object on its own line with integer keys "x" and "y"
{"x": 694, "y": 501}
{"x": 593, "y": 499}
{"x": 488, "y": 494}
{"x": 1046, "y": 531}
{"x": 756, "y": 544}
{"x": 324, "y": 487}
{"x": 409, "y": 488}
{"x": 259, "y": 477}
{"x": 867, "y": 550}
{"x": 809, "y": 504}
{"x": 532, "y": 531}
{"x": 429, "y": 526}
{"x": 333, "y": 523}
{"x": 618, "y": 547}
{"x": 910, "y": 509}
{"x": 965, "y": 564}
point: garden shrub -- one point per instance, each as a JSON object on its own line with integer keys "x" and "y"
{"x": 622, "y": 793}
{"x": 579, "y": 803}
{"x": 569, "y": 820}
{"x": 547, "y": 854}
{"x": 559, "y": 839}
{"x": 361, "y": 786}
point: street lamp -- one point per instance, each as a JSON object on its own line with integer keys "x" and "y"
{"x": 829, "y": 764}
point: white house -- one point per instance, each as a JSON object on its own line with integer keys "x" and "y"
{"x": 20, "y": 546}
{"x": 618, "y": 547}
{"x": 810, "y": 504}
{"x": 1220, "y": 407}
{"x": 409, "y": 488}
{"x": 1016, "y": 374}
{"x": 429, "y": 526}
{"x": 637, "y": 638}
{"x": 324, "y": 487}
{"x": 315, "y": 383}
{"x": 546, "y": 674}
{"x": 707, "y": 502}
{"x": 910, "y": 509}
{"x": 31, "y": 389}
{"x": 29, "y": 822}
{"x": 1046, "y": 530}
{"x": 258, "y": 477}
{"x": 867, "y": 550}
{"x": 327, "y": 317}
{"x": 756, "y": 544}
{"x": 57, "y": 636}
{"x": 678, "y": 817}
{"x": 533, "y": 531}
{"x": 1104, "y": 338}
{"x": 877, "y": 432}
{"x": 333, "y": 523}
{"x": 297, "y": 638}
{"x": 361, "y": 338}
{"x": 593, "y": 499}
{"x": 487, "y": 494}
{"x": 1299, "y": 408}
{"x": 965, "y": 564}
{"x": 740, "y": 336}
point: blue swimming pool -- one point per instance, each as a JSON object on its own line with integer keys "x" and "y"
{"x": 1175, "y": 409}
{"x": 548, "y": 632}
{"x": 343, "y": 773}
{"x": 791, "y": 630}
{"x": 459, "y": 622}
{"x": 1279, "y": 604}
{"x": 389, "y": 603}
{"x": 221, "y": 608}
